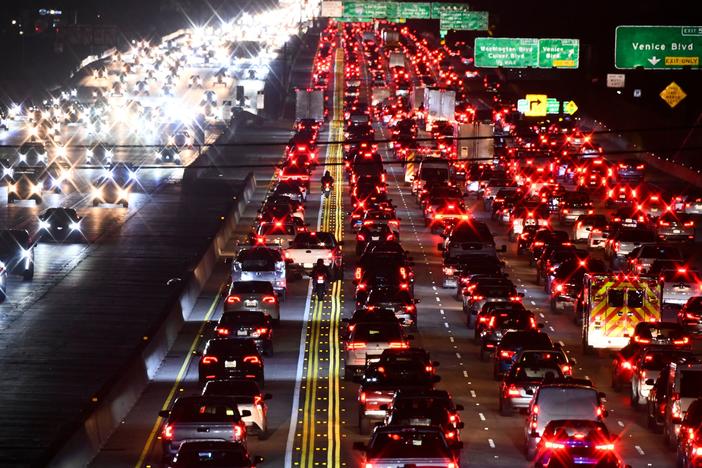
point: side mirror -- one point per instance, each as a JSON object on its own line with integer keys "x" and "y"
{"x": 460, "y": 408}
{"x": 503, "y": 248}
{"x": 359, "y": 446}
{"x": 529, "y": 391}
{"x": 164, "y": 413}
{"x": 267, "y": 396}
{"x": 257, "y": 459}
{"x": 460, "y": 425}
{"x": 440, "y": 246}
{"x": 245, "y": 413}
{"x": 417, "y": 301}
{"x": 650, "y": 382}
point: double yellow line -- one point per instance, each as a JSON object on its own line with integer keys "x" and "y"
{"x": 332, "y": 221}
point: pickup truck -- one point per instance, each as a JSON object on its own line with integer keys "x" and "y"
{"x": 307, "y": 247}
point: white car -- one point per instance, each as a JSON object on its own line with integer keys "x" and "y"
{"x": 248, "y": 396}
{"x": 679, "y": 285}
{"x": 368, "y": 340}
{"x": 585, "y": 224}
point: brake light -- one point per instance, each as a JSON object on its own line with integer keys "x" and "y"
{"x": 253, "y": 360}
{"x": 554, "y": 445}
{"x": 477, "y": 298}
{"x": 207, "y": 360}
{"x": 604, "y": 447}
{"x": 356, "y": 345}
{"x": 398, "y": 345}
{"x": 640, "y": 340}
{"x": 538, "y": 244}
{"x": 512, "y": 391}
{"x": 233, "y": 299}
{"x": 222, "y": 331}
{"x": 682, "y": 341}
{"x": 567, "y": 369}
{"x": 362, "y": 397}
{"x": 689, "y": 224}
{"x": 505, "y": 354}
{"x": 168, "y": 432}
{"x": 625, "y": 365}
{"x": 269, "y": 299}
{"x": 360, "y": 237}
{"x": 403, "y": 272}
{"x": 258, "y": 400}
{"x": 663, "y": 223}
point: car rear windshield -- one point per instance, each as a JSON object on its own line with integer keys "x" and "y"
{"x": 252, "y": 287}
{"x": 241, "y": 387}
{"x": 526, "y": 340}
{"x": 205, "y": 457}
{"x": 377, "y": 333}
{"x": 411, "y": 445}
{"x": 437, "y": 173}
{"x": 660, "y": 252}
{"x": 274, "y": 229}
{"x": 568, "y": 403}
{"x": 204, "y": 410}
{"x": 657, "y": 361}
{"x": 536, "y": 372}
{"x": 691, "y": 384}
{"x": 637, "y": 235}
{"x": 253, "y": 260}
{"x": 243, "y": 318}
{"x": 307, "y": 240}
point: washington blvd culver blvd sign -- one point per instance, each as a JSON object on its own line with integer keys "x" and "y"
{"x": 657, "y": 47}
{"x": 493, "y": 52}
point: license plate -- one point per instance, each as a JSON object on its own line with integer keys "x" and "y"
{"x": 230, "y": 364}
{"x": 676, "y": 231}
{"x": 250, "y": 303}
{"x": 420, "y": 422}
{"x": 375, "y": 238}
{"x": 307, "y": 265}
{"x": 320, "y": 280}
{"x": 242, "y": 333}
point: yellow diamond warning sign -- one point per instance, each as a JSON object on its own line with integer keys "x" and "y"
{"x": 673, "y": 94}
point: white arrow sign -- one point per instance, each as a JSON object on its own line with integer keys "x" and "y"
{"x": 654, "y": 60}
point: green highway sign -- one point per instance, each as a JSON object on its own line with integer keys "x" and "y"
{"x": 463, "y": 20}
{"x": 417, "y": 10}
{"x": 438, "y": 8}
{"x": 493, "y": 52}
{"x": 657, "y": 47}
{"x": 364, "y": 11}
{"x": 559, "y": 53}
{"x": 553, "y": 106}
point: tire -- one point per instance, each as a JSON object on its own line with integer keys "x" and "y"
{"x": 505, "y": 408}
{"x": 283, "y": 294}
{"x": 28, "y": 274}
{"x": 96, "y": 203}
{"x": 635, "y": 399}
{"x": 269, "y": 349}
{"x": 263, "y": 435}
{"x": 125, "y": 205}
{"x": 469, "y": 323}
{"x": 363, "y": 424}
{"x": 11, "y": 200}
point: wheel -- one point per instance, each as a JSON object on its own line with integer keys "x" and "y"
{"x": 11, "y": 199}
{"x": 28, "y": 273}
{"x": 125, "y": 205}
{"x": 635, "y": 399}
{"x": 505, "y": 408}
{"x": 96, "y": 202}
{"x": 282, "y": 295}
{"x": 263, "y": 435}
{"x": 363, "y": 424}
{"x": 469, "y": 322}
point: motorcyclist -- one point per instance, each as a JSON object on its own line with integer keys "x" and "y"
{"x": 327, "y": 179}
{"x": 320, "y": 271}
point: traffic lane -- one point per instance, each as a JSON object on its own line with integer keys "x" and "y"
{"x": 638, "y": 444}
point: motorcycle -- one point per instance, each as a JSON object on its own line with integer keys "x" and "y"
{"x": 320, "y": 286}
{"x": 326, "y": 189}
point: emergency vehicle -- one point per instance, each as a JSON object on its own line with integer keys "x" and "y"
{"x": 612, "y": 304}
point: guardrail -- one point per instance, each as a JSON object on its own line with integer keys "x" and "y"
{"x": 117, "y": 397}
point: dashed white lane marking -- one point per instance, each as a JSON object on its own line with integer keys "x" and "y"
{"x": 551, "y": 328}
{"x": 465, "y": 374}
{"x": 482, "y": 416}
{"x": 639, "y": 449}
{"x": 458, "y": 355}
{"x": 533, "y": 303}
{"x": 446, "y": 324}
{"x": 472, "y": 393}
{"x": 441, "y": 311}
{"x": 541, "y": 314}
{"x": 491, "y": 443}
{"x": 451, "y": 338}
{"x": 438, "y": 299}
{"x": 434, "y": 288}
{"x": 621, "y": 424}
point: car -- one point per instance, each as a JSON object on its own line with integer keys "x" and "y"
{"x": 183, "y": 422}
{"x": 253, "y": 296}
{"x": 421, "y": 415}
{"x": 631, "y": 169}
{"x": 543, "y": 238}
{"x": 225, "y": 358}
{"x": 683, "y": 386}
{"x": 308, "y": 247}
{"x": 502, "y": 321}
{"x": 249, "y": 397}
{"x": 474, "y": 298}
{"x": 649, "y": 362}
{"x": 559, "y": 400}
{"x": 261, "y": 263}
{"x": 586, "y": 223}
{"x": 573, "y": 442}
{"x": 60, "y": 225}
{"x": 519, "y": 385}
{"x": 457, "y": 270}
{"x": 573, "y": 206}
{"x": 210, "y": 453}
{"x": 676, "y": 227}
{"x": 407, "y": 446}
{"x": 512, "y": 343}
{"x": 640, "y": 260}
{"x": 688, "y": 438}
{"x": 24, "y": 183}
{"x": 400, "y": 301}
{"x": 491, "y": 308}
{"x": 247, "y": 325}
{"x": 690, "y": 315}
{"x": 17, "y": 253}
{"x": 32, "y": 153}
{"x": 372, "y": 233}
{"x": 566, "y": 282}
{"x": 679, "y": 285}
{"x": 114, "y": 185}
{"x": 370, "y": 339}
{"x": 624, "y": 241}
{"x": 555, "y": 355}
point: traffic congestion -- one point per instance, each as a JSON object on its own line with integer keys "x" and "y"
{"x": 430, "y": 278}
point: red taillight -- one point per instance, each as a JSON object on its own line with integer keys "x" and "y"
{"x": 207, "y": 360}
{"x": 269, "y": 299}
{"x": 357, "y": 274}
{"x": 356, "y": 345}
{"x": 222, "y": 331}
{"x": 538, "y": 244}
{"x": 253, "y": 360}
{"x": 258, "y": 400}
{"x": 506, "y": 354}
{"x": 238, "y": 432}
{"x": 360, "y": 237}
{"x": 682, "y": 341}
{"x": 168, "y": 432}
{"x": 398, "y": 345}
{"x": 567, "y": 369}
{"x": 604, "y": 447}
{"x": 640, "y": 340}
{"x": 477, "y": 298}
{"x": 512, "y": 391}
{"x": 554, "y": 445}
{"x": 403, "y": 272}
{"x": 233, "y": 299}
